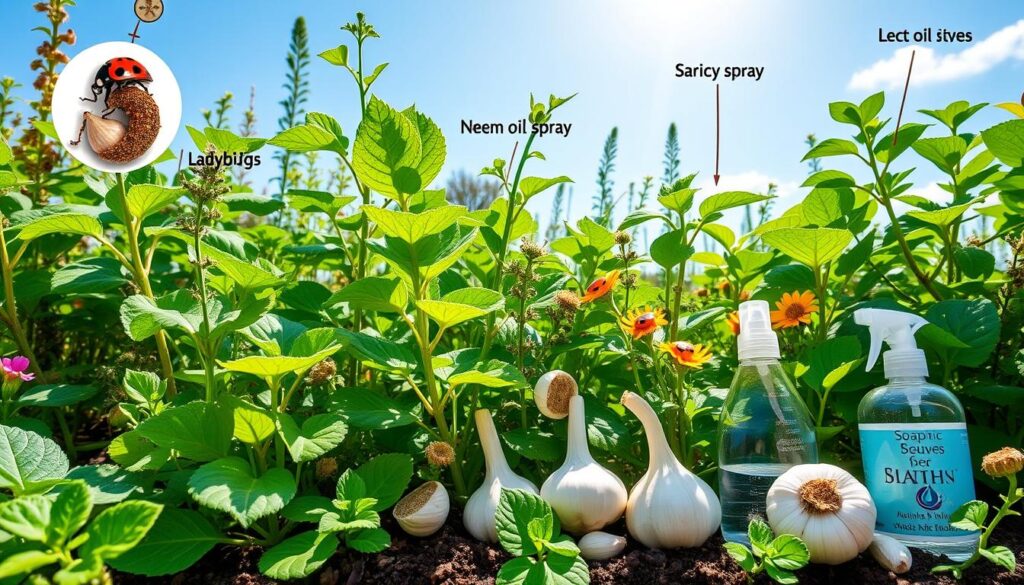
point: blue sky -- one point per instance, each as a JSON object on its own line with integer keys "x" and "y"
{"x": 480, "y": 60}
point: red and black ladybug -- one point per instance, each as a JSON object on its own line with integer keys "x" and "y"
{"x": 118, "y": 72}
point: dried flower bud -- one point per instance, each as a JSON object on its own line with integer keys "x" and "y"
{"x": 568, "y": 301}
{"x": 1003, "y": 463}
{"x": 41, "y": 7}
{"x": 974, "y": 241}
{"x": 69, "y": 37}
{"x": 532, "y": 250}
{"x": 701, "y": 292}
{"x": 623, "y": 238}
{"x": 744, "y": 295}
{"x": 326, "y": 468}
{"x": 323, "y": 371}
{"x": 724, "y": 287}
{"x": 440, "y": 454}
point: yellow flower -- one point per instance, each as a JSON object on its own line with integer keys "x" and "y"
{"x": 601, "y": 286}
{"x": 640, "y": 322}
{"x": 734, "y": 322}
{"x": 794, "y": 308}
{"x": 687, "y": 354}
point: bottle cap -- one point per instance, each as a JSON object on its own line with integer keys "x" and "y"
{"x": 756, "y": 338}
{"x": 896, "y": 328}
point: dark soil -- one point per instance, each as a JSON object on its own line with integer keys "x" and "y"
{"x": 452, "y": 557}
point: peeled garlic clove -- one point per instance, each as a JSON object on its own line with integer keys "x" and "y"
{"x": 103, "y": 134}
{"x": 598, "y": 546}
{"x": 424, "y": 510}
{"x": 891, "y": 553}
{"x": 670, "y": 507}
{"x": 585, "y": 495}
{"x": 478, "y": 516}
{"x": 826, "y": 507}
{"x": 552, "y": 393}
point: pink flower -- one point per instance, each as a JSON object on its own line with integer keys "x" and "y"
{"x": 15, "y": 368}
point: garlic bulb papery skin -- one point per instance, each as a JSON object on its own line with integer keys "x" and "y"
{"x": 891, "y": 553}
{"x": 826, "y": 507}
{"x": 669, "y": 507}
{"x": 553, "y": 392}
{"x": 424, "y": 510}
{"x": 585, "y": 495}
{"x": 599, "y": 546}
{"x": 102, "y": 133}
{"x": 478, "y": 517}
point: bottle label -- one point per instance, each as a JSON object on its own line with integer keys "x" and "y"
{"x": 918, "y": 475}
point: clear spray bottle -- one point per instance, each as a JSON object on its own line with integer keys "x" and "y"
{"x": 913, "y": 439}
{"x": 764, "y": 428}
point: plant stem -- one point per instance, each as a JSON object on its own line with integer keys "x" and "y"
{"x": 11, "y": 307}
{"x": 206, "y": 352}
{"x": 1004, "y": 510}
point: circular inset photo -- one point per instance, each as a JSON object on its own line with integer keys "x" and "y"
{"x": 149, "y": 10}
{"x": 116, "y": 107}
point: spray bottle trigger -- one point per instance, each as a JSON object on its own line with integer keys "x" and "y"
{"x": 873, "y": 351}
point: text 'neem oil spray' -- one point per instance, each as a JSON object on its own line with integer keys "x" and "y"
{"x": 913, "y": 439}
{"x": 764, "y": 428}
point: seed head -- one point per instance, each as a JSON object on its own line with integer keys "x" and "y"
{"x": 974, "y": 241}
{"x": 326, "y": 468}
{"x": 323, "y": 371}
{"x": 701, "y": 292}
{"x": 532, "y": 250}
{"x": 623, "y": 238}
{"x": 1003, "y": 463}
{"x": 567, "y": 300}
{"x": 440, "y": 454}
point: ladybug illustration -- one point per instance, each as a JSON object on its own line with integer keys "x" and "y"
{"x": 115, "y": 73}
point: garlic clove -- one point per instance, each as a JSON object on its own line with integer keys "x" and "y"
{"x": 585, "y": 495}
{"x": 599, "y": 546}
{"x": 553, "y": 392}
{"x": 478, "y": 515}
{"x": 891, "y": 553}
{"x": 424, "y": 510}
{"x": 669, "y": 507}
{"x": 102, "y": 133}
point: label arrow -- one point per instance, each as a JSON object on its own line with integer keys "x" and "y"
{"x": 718, "y": 130}
{"x": 899, "y": 119}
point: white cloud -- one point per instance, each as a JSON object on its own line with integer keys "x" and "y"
{"x": 930, "y": 67}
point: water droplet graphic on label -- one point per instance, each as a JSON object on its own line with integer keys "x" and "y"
{"x": 928, "y": 498}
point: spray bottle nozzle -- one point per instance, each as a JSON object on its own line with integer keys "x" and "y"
{"x": 897, "y": 329}
{"x": 756, "y": 338}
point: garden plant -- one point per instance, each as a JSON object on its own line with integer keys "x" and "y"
{"x": 194, "y": 369}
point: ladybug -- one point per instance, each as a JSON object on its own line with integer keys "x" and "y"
{"x": 115, "y": 73}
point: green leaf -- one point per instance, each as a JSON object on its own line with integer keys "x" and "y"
{"x": 368, "y": 540}
{"x": 197, "y": 430}
{"x": 760, "y": 535}
{"x": 27, "y": 517}
{"x": 729, "y": 200}
{"x": 1001, "y": 556}
{"x": 307, "y": 508}
{"x": 909, "y": 133}
{"x": 318, "y": 434}
{"x": 720, "y": 233}
{"x": 788, "y": 552}
{"x": 670, "y": 249}
{"x": 276, "y": 366}
{"x": 69, "y": 513}
{"x": 562, "y": 546}
{"x": 298, "y": 556}
{"x": 838, "y": 354}
{"x": 564, "y": 570}
{"x": 178, "y": 539}
{"x": 970, "y": 516}
{"x": 61, "y": 223}
{"x": 540, "y": 530}
{"x": 336, "y": 56}
{"x": 91, "y": 275}
{"x": 308, "y": 138}
{"x": 491, "y": 373}
{"x": 432, "y": 143}
{"x": 945, "y": 153}
{"x": 5, "y": 152}
{"x": 462, "y": 305}
{"x": 228, "y": 485}
{"x": 829, "y": 180}
{"x": 373, "y": 293}
{"x": 312, "y": 201}
{"x": 822, "y": 206}
{"x": 118, "y": 529}
{"x": 831, "y": 147}
{"x": 350, "y": 486}
{"x": 515, "y": 510}
{"x": 871, "y": 106}
{"x": 781, "y": 576}
{"x": 367, "y": 409}
{"x": 22, "y": 563}
{"x": 386, "y": 477}
{"x": 387, "y": 151}
{"x": 974, "y": 323}
{"x": 55, "y": 395}
{"x": 412, "y": 227}
{"x": 741, "y": 554}
{"x": 107, "y": 483}
{"x": 145, "y": 200}
{"x": 810, "y": 246}
{"x": 1006, "y": 142}
{"x": 253, "y": 424}
{"x": 142, "y": 316}
{"x": 261, "y": 205}
{"x": 229, "y": 142}
{"x": 27, "y": 458}
{"x": 143, "y": 387}
{"x": 531, "y": 186}
{"x": 243, "y": 272}
{"x": 378, "y": 353}
{"x": 941, "y": 218}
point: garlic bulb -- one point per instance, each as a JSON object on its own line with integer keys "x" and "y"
{"x": 891, "y": 553}
{"x": 825, "y": 506}
{"x": 423, "y": 511}
{"x": 598, "y": 546}
{"x": 102, "y": 133}
{"x": 669, "y": 507}
{"x": 585, "y": 495}
{"x": 478, "y": 516}
{"x": 552, "y": 393}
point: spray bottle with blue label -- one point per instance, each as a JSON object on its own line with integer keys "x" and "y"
{"x": 913, "y": 438}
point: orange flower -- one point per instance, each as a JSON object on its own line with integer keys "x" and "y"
{"x": 794, "y": 308}
{"x": 734, "y": 322}
{"x": 686, "y": 354}
{"x": 601, "y": 286}
{"x": 640, "y": 322}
